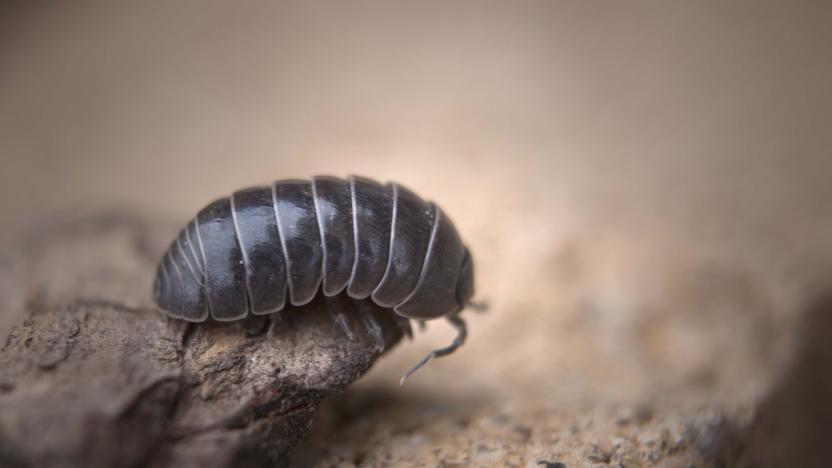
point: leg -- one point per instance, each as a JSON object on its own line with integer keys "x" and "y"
{"x": 341, "y": 320}
{"x": 275, "y": 320}
{"x": 461, "y": 334}
{"x": 255, "y": 324}
{"x": 404, "y": 324}
{"x": 374, "y": 328}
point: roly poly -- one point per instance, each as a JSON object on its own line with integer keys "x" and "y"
{"x": 264, "y": 247}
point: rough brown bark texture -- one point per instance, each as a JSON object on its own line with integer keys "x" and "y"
{"x": 93, "y": 375}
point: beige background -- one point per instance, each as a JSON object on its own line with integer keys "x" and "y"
{"x": 645, "y": 185}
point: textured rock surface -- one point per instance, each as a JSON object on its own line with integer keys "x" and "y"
{"x": 87, "y": 380}
{"x": 523, "y": 435}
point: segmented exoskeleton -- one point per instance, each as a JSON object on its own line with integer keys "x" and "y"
{"x": 264, "y": 247}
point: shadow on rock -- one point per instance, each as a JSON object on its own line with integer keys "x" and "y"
{"x": 791, "y": 426}
{"x": 356, "y": 419}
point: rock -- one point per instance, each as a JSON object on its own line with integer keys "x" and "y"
{"x": 791, "y": 424}
{"x": 92, "y": 374}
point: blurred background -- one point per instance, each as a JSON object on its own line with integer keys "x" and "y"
{"x": 645, "y": 186}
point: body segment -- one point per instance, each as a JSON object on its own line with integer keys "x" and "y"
{"x": 333, "y": 205}
{"x": 297, "y": 222}
{"x": 263, "y": 255}
{"x": 372, "y": 211}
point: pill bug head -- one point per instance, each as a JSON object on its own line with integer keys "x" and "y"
{"x": 465, "y": 280}
{"x": 463, "y": 293}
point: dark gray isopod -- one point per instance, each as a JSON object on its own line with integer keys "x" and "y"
{"x": 267, "y": 248}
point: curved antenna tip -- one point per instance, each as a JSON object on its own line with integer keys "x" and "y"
{"x": 418, "y": 366}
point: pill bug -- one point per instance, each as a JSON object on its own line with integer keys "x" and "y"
{"x": 265, "y": 248}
